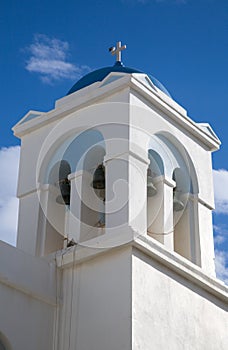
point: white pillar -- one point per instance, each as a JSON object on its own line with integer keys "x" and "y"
{"x": 186, "y": 236}
{"x": 160, "y": 212}
{"x": 28, "y": 222}
{"x": 126, "y": 192}
{"x": 73, "y": 225}
{"x": 206, "y": 238}
{"x": 51, "y": 229}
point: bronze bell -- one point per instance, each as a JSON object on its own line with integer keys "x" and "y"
{"x": 151, "y": 189}
{"x": 64, "y": 186}
{"x": 178, "y": 205}
{"x": 99, "y": 178}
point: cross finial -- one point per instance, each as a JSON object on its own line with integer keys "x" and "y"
{"x": 117, "y": 50}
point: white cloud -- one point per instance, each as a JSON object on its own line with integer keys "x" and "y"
{"x": 9, "y": 164}
{"x": 221, "y": 234}
{"x": 48, "y": 58}
{"x": 221, "y": 266}
{"x": 221, "y": 190}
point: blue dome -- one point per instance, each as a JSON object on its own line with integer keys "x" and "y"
{"x": 100, "y": 74}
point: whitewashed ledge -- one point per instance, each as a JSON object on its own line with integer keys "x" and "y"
{"x": 28, "y": 274}
{"x": 102, "y": 244}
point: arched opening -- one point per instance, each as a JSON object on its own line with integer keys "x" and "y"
{"x": 62, "y": 213}
{"x": 156, "y": 163}
{"x": 155, "y": 196}
{"x": 55, "y": 201}
{"x": 93, "y": 194}
{"x": 172, "y": 213}
{"x": 58, "y": 177}
{"x": 185, "y": 218}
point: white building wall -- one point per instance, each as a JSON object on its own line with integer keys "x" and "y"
{"x": 170, "y": 312}
{"x": 28, "y": 299}
{"x": 26, "y": 322}
{"x": 99, "y": 293}
{"x": 28, "y": 221}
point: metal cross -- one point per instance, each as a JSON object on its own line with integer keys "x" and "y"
{"x": 117, "y": 50}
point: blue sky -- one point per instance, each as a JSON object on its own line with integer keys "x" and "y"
{"x": 47, "y": 45}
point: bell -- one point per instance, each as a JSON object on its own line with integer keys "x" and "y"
{"x": 100, "y": 193}
{"x": 64, "y": 186}
{"x": 151, "y": 189}
{"x": 99, "y": 178}
{"x": 178, "y": 205}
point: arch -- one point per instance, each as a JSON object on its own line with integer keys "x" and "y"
{"x": 78, "y": 148}
{"x": 185, "y": 218}
{"x": 92, "y": 203}
{"x": 58, "y": 177}
{"x": 63, "y": 158}
{"x": 60, "y": 170}
{"x": 174, "y": 155}
{"x": 180, "y": 158}
{"x": 54, "y": 202}
{"x": 156, "y": 162}
{"x": 182, "y": 180}
{"x": 71, "y": 149}
{"x": 171, "y": 159}
{"x": 155, "y": 199}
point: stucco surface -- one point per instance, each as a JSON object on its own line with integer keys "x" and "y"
{"x": 170, "y": 312}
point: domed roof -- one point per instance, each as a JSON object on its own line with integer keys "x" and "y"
{"x": 100, "y": 74}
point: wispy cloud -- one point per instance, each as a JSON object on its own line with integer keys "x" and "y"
{"x": 9, "y": 164}
{"x": 221, "y": 265}
{"x": 221, "y": 191}
{"x": 49, "y": 59}
{"x": 220, "y": 234}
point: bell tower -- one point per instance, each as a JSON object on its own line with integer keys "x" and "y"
{"x": 116, "y": 183}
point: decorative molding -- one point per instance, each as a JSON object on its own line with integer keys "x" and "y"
{"x": 205, "y": 204}
{"x": 153, "y": 249}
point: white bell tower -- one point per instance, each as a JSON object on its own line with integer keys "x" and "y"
{"x": 116, "y": 183}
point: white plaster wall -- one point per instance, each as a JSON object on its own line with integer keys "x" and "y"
{"x": 170, "y": 312}
{"x": 28, "y": 220}
{"x": 206, "y": 240}
{"x": 30, "y": 148}
{"x": 99, "y": 292}
{"x": 93, "y": 93}
{"x": 121, "y": 96}
{"x": 26, "y": 322}
{"x": 149, "y": 119}
{"x": 27, "y": 299}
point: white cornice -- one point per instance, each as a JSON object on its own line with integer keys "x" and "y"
{"x": 85, "y": 251}
{"x": 97, "y": 92}
{"x": 73, "y": 104}
{"x": 170, "y": 109}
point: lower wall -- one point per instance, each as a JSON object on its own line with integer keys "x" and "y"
{"x": 96, "y": 312}
{"x": 27, "y": 323}
{"x": 27, "y": 300}
{"x": 172, "y": 313}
